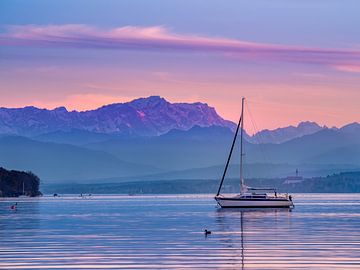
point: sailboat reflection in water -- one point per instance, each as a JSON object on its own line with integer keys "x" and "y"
{"x": 230, "y": 242}
{"x": 250, "y": 197}
{"x": 246, "y": 232}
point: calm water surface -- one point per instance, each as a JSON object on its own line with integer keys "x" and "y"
{"x": 165, "y": 232}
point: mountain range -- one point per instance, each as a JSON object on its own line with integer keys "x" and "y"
{"x": 150, "y": 116}
{"x": 281, "y": 135}
{"x": 151, "y": 138}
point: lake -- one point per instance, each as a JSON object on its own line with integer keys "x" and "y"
{"x": 167, "y": 232}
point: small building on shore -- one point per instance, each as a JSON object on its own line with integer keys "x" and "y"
{"x": 294, "y": 179}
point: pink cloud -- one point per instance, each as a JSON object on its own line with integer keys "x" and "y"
{"x": 161, "y": 38}
{"x": 348, "y": 68}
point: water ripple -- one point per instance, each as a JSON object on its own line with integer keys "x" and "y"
{"x": 166, "y": 232}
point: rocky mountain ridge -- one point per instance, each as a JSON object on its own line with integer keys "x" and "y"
{"x": 151, "y": 116}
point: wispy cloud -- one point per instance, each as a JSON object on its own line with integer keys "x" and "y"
{"x": 348, "y": 68}
{"x": 161, "y": 38}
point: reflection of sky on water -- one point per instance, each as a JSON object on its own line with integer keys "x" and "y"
{"x": 112, "y": 232}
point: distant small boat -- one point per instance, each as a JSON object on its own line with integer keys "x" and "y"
{"x": 249, "y": 197}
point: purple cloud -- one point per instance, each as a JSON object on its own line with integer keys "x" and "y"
{"x": 160, "y": 38}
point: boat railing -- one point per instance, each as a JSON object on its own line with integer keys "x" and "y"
{"x": 262, "y": 189}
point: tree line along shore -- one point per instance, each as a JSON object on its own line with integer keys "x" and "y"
{"x": 18, "y": 183}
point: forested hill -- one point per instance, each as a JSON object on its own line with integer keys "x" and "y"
{"x": 343, "y": 182}
{"x": 16, "y": 183}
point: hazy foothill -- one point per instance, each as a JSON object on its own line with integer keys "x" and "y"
{"x": 150, "y": 145}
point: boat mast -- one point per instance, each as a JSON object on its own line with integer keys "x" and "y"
{"x": 242, "y": 184}
{"x": 229, "y": 157}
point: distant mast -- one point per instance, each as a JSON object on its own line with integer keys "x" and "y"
{"x": 242, "y": 184}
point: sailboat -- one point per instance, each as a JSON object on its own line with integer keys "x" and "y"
{"x": 249, "y": 197}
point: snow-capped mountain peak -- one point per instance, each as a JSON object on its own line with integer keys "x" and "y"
{"x": 149, "y": 116}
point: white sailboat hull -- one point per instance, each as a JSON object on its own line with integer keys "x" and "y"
{"x": 238, "y": 202}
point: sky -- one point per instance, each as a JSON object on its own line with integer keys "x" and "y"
{"x": 292, "y": 60}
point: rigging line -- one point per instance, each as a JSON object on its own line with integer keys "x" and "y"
{"x": 253, "y": 125}
{"x": 258, "y": 138}
{"x": 229, "y": 157}
{"x": 261, "y": 146}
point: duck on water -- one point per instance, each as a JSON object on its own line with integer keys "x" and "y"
{"x": 249, "y": 197}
